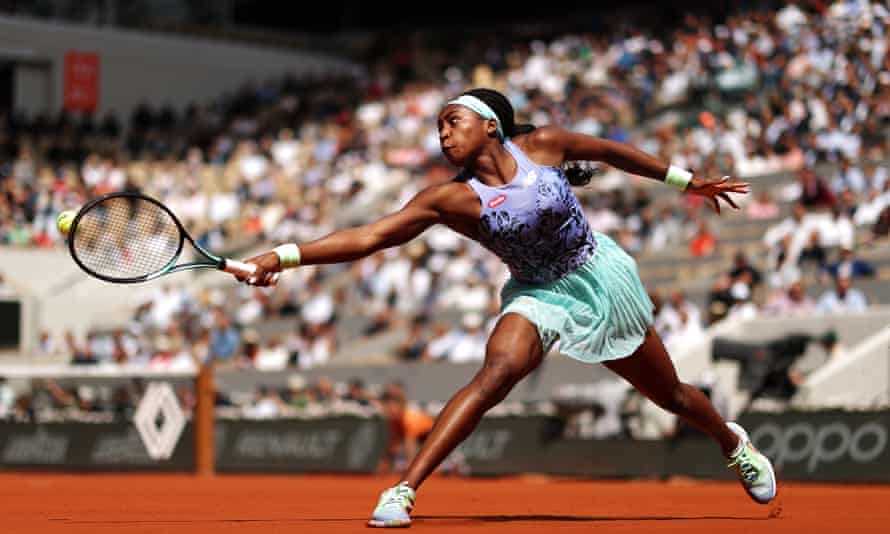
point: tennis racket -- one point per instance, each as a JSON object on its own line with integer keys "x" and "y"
{"x": 128, "y": 237}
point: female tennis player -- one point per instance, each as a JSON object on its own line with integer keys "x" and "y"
{"x": 567, "y": 282}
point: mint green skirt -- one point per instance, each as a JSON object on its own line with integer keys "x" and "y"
{"x": 598, "y": 312}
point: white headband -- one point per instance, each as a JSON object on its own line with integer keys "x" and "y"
{"x": 480, "y": 107}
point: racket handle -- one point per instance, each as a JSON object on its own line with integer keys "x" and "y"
{"x": 245, "y": 269}
{"x": 238, "y": 267}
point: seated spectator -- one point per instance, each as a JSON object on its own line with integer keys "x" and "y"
{"x": 297, "y": 395}
{"x": 225, "y": 340}
{"x": 814, "y": 192}
{"x": 762, "y": 207}
{"x": 323, "y": 390}
{"x": 47, "y": 345}
{"x": 415, "y": 345}
{"x": 250, "y": 348}
{"x": 742, "y": 265}
{"x": 720, "y": 299}
{"x": 850, "y": 266}
{"x": 881, "y": 228}
{"x": 443, "y": 340}
{"x": 321, "y": 346}
{"x": 357, "y": 392}
{"x": 775, "y": 235}
{"x": 666, "y": 231}
{"x": 869, "y": 210}
{"x": 266, "y": 405}
{"x": 680, "y": 319}
{"x": 849, "y": 178}
{"x": 272, "y": 356}
{"x": 843, "y": 298}
{"x": 875, "y": 175}
{"x": 171, "y": 355}
{"x": 838, "y": 231}
{"x": 703, "y": 243}
{"x": 742, "y": 288}
{"x": 813, "y": 251}
{"x": 471, "y": 346}
{"x": 81, "y": 354}
{"x": 745, "y": 278}
{"x": 790, "y": 301}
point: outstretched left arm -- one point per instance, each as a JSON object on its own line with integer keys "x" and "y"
{"x": 575, "y": 146}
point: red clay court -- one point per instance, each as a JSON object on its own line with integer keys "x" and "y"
{"x": 42, "y": 504}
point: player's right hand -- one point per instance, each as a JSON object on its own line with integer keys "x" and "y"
{"x": 267, "y": 265}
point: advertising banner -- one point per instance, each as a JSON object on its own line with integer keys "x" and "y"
{"x": 87, "y": 447}
{"x": 829, "y": 446}
{"x": 81, "y": 91}
{"x": 340, "y": 444}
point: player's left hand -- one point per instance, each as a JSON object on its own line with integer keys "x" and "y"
{"x": 717, "y": 189}
{"x": 267, "y": 265}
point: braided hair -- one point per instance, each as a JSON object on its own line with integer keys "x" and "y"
{"x": 576, "y": 174}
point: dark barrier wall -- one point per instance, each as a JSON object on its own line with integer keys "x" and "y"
{"x": 87, "y": 447}
{"x": 815, "y": 446}
{"x": 832, "y": 446}
{"x": 331, "y": 445}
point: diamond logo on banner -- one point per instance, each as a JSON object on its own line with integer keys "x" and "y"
{"x": 159, "y": 420}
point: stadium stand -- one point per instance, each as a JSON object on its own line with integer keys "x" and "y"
{"x": 795, "y": 100}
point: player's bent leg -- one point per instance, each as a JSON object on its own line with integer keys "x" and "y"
{"x": 513, "y": 351}
{"x": 652, "y": 372}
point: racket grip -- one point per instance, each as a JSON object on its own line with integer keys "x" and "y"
{"x": 238, "y": 267}
{"x": 245, "y": 269}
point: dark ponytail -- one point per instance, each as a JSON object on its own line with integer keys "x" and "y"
{"x": 576, "y": 173}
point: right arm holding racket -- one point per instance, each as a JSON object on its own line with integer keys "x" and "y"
{"x": 450, "y": 203}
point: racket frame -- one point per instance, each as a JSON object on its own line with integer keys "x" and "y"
{"x": 215, "y": 262}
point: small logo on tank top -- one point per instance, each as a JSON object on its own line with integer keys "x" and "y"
{"x": 497, "y": 201}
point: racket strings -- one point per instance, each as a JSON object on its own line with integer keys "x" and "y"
{"x": 126, "y": 237}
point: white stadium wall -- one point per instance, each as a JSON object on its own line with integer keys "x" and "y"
{"x": 137, "y": 66}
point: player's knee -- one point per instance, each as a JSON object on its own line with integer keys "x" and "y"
{"x": 496, "y": 379}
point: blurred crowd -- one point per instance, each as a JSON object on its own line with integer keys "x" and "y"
{"x": 803, "y": 88}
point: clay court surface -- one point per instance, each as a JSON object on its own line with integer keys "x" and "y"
{"x": 97, "y": 504}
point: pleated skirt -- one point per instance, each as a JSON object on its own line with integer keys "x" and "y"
{"x": 598, "y": 312}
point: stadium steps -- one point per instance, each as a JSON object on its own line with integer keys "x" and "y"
{"x": 859, "y": 378}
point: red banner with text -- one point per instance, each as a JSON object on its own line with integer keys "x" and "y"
{"x": 81, "y": 81}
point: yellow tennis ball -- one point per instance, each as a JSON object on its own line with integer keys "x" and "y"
{"x": 63, "y": 222}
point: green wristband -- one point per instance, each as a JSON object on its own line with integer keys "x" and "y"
{"x": 288, "y": 255}
{"x": 678, "y": 178}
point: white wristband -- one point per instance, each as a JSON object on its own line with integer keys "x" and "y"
{"x": 678, "y": 178}
{"x": 288, "y": 255}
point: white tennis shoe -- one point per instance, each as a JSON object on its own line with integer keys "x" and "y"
{"x": 754, "y": 469}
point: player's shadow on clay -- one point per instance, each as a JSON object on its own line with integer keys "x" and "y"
{"x": 579, "y": 518}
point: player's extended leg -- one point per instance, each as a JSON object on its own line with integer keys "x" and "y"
{"x": 652, "y": 372}
{"x": 513, "y": 351}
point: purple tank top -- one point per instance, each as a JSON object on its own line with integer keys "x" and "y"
{"x": 534, "y": 224}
